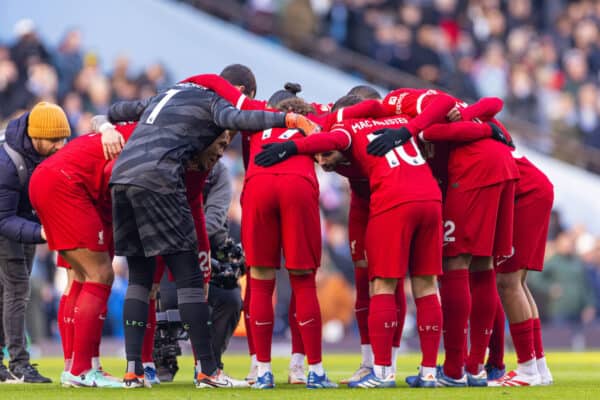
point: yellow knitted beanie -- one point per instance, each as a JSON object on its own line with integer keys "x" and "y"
{"x": 48, "y": 121}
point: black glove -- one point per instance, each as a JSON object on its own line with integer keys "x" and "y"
{"x": 275, "y": 153}
{"x": 387, "y": 140}
{"x": 498, "y": 134}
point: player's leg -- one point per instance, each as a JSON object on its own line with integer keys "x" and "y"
{"x": 482, "y": 282}
{"x": 540, "y": 212}
{"x": 401, "y": 311}
{"x": 90, "y": 307}
{"x": 529, "y": 238}
{"x": 66, "y": 309}
{"x": 456, "y": 306}
{"x": 454, "y": 284}
{"x": 358, "y": 219}
{"x": 494, "y": 209}
{"x": 296, "y": 373}
{"x": 388, "y": 241}
{"x": 495, "y": 366}
{"x": 252, "y": 374}
{"x": 301, "y": 240}
{"x": 194, "y": 311}
{"x": 262, "y": 281}
{"x": 150, "y": 373}
{"x": 541, "y": 362}
{"x": 425, "y": 265}
{"x": 261, "y": 236}
{"x": 518, "y": 312}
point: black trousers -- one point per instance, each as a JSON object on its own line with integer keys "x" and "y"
{"x": 16, "y": 261}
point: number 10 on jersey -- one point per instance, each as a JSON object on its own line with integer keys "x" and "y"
{"x": 392, "y": 155}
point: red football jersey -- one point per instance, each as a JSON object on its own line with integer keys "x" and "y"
{"x": 82, "y": 161}
{"x": 401, "y": 176}
{"x": 302, "y": 165}
{"x": 470, "y": 164}
{"x": 531, "y": 178}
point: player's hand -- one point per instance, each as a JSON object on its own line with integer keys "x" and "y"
{"x": 454, "y": 115}
{"x": 387, "y": 140}
{"x": 275, "y": 153}
{"x": 43, "y": 233}
{"x": 498, "y": 134}
{"x": 112, "y": 141}
{"x": 297, "y": 121}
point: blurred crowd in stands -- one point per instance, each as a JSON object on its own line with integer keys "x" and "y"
{"x": 550, "y": 78}
{"x": 542, "y": 57}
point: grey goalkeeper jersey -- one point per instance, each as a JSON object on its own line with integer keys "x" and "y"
{"x": 173, "y": 126}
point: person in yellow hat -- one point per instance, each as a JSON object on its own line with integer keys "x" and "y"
{"x": 28, "y": 140}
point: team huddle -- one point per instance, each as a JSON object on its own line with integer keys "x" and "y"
{"x": 439, "y": 194}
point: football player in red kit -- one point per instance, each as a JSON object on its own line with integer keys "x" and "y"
{"x": 78, "y": 225}
{"x": 404, "y": 229}
{"x": 237, "y": 84}
{"x": 533, "y": 203}
{"x": 271, "y": 223}
{"x": 479, "y": 188}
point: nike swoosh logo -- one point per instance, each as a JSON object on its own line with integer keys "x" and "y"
{"x": 258, "y": 323}
{"x": 445, "y": 244}
{"x": 306, "y": 322}
{"x": 282, "y": 154}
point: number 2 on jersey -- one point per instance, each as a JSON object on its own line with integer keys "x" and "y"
{"x": 170, "y": 93}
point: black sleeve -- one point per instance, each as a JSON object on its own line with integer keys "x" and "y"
{"x": 216, "y": 205}
{"x": 228, "y": 117}
{"x": 124, "y": 111}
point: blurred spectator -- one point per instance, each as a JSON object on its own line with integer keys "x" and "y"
{"x": 28, "y": 48}
{"x": 568, "y": 296}
{"x": 68, "y": 60}
{"x": 299, "y": 25}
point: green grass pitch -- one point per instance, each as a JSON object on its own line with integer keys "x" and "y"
{"x": 576, "y": 376}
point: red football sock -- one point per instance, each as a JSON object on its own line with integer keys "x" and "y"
{"x": 401, "y": 313}
{"x": 537, "y": 338}
{"x": 308, "y": 315}
{"x": 89, "y": 320}
{"x": 247, "y": 323}
{"x": 496, "y": 354}
{"x": 68, "y": 308}
{"x": 456, "y": 305}
{"x": 261, "y": 317}
{"x": 522, "y": 336}
{"x": 429, "y": 324}
{"x": 297, "y": 345}
{"x": 96, "y": 350}
{"x": 148, "y": 344}
{"x": 484, "y": 295}
{"x": 382, "y": 325}
{"x": 361, "y": 306}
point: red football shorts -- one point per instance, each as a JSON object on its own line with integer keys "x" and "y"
{"x": 69, "y": 216}
{"x": 358, "y": 219}
{"x": 281, "y": 212}
{"x": 406, "y": 238}
{"x": 532, "y": 218}
{"x": 479, "y": 221}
